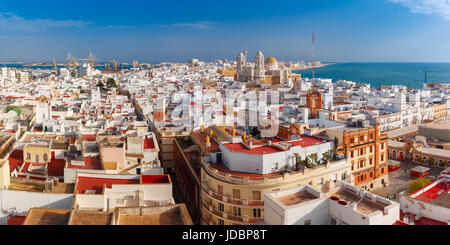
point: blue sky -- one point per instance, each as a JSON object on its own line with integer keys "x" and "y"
{"x": 153, "y": 31}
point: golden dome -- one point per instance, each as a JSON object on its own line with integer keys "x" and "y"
{"x": 271, "y": 60}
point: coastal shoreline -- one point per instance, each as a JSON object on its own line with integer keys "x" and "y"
{"x": 308, "y": 67}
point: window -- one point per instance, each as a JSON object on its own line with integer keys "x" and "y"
{"x": 37, "y": 158}
{"x": 371, "y": 185}
{"x": 371, "y": 149}
{"x": 45, "y": 157}
{"x": 361, "y": 139}
{"x": 236, "y": 211}
{"x": 382, "y": 157}
{"x": 371, "y": 175}
{"x": 370, "y": 161}
{"x": 221, "y": 208}
{"x": 382, "y": 146}
{"x": 221, "y": 222}
{"x": 236, "y": 194}
{"x": 220, "y": 189}
{"x": 307, "y": 222}
{"x": 320, "y": 181}
{"x": 257, "y": 195}
{"x": 343, "y": 176}
{"x": 382, "y": 170}
{"x": 351, "y": 154}
{"x": 28, "y": 156}
{"x": 257, "y": 213}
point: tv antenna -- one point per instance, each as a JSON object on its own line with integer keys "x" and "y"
{"x": 313, "y": 54}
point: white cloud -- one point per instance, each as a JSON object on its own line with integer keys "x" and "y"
{"x": 195, "y": 25}
{"x": 10, "y": 21}
{"x": 432, "y": 7}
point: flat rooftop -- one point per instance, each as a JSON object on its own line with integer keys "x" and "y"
{"x": 304, "y": 141}
{"x": 96, "y": 182}
{"x": 364, "y": 205}
{"x": 296, "y": 198}
{"x": 45, "y": 216}
{"x": 441, "y": 124}
{"x": 436, "y": 193}
{"x": 89, "y": 218}
{"x": 165, "y": 215}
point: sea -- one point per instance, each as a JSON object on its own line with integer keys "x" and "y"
{"x": 411, "y": 75}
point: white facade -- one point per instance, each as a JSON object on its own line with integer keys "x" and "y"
{"x": 322, "y": 210}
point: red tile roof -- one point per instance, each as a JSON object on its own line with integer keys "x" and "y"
{"x": 16, "y": 220}
{"x": 399, "y": 222}
{"x": 92, "y": 183}
{"x": 56, "y": 167}
{"x": 433, "y": 192}
{"x": 305, "y": 141}
{"x": 148, "y": 143}
{"x": 15, "y": 159}
{"x": 155, "y": 179}
{"x": 422, "y": 220}
{"x": 88, "y": 137}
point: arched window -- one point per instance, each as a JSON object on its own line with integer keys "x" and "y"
{"x": 45, "y": 157}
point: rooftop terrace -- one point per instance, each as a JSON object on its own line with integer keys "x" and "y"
{"x": 165, "y": 215}
{"x": 363, "y": 205}
{"x": 296, "y": 198}
{"x": 44, "y": 216}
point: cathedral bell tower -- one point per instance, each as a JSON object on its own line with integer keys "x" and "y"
{"x": 259, "y": 67}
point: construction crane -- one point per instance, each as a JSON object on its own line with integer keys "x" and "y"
{"x": 68, "y": 60}
{"x": 74, "y": 63}
{"x": 425, "y": 71}
{"x": 115, "y": 64}
{"x": 313, "y": 54}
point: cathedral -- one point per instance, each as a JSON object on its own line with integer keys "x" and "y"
{"x": 262, "y": 71}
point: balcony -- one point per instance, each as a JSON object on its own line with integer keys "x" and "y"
{"x": 288, "y": 175}
{"x": 226, "y": 199}
{"x": 231, "y": 217}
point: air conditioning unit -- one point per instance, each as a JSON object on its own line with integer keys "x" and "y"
{"x": 48, "y": 185}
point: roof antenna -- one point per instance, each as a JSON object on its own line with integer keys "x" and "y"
{"x": 313, "y": 53}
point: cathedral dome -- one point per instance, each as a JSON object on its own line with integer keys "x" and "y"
{"x": 271, "y": 60}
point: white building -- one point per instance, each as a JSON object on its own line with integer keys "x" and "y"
{"x": 345, "y": 205}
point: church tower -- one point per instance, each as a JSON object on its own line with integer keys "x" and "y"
{"x": 240, "y": 64}
{"x": 259, "y": 67}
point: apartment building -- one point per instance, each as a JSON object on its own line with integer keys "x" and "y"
{"x": 238, "y": 172}
{"x": 366, "y": 150}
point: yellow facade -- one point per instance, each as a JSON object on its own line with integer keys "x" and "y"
{"x": 440, "y": 111}
{"x": 227, "y": 72}
{"x": 36, "y": 153}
